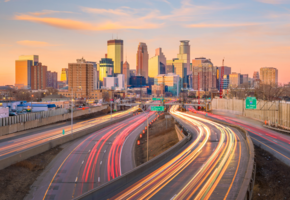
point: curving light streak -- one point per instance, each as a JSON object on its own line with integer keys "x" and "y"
{"x": 205, "y": 179}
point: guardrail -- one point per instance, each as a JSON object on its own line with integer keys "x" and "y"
{"x": 5, "y": 162}
{"x": 118, "y": 184}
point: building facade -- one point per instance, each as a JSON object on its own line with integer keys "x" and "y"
{"x": 256, "y": 75}
{"x": 142, "y": 61}
{"x": 121, "y": 81}
{"x": 81, "y": 80}
{"x": 157, "y": 65}
{"x": 38, "y": 77}
{"x": 179, "y": 68}
{"x": 33, "y": 58}
{"x": 235, "y": 79}
{"x": 226, "y": 71}
{"x": 170, "y": 81}
{"x": 51, "y": 79}
{"x": 115, "y": 52}
{"x": 184, "y": 55}
{"x": 23, "y": 74}
{"x": 110, "y": 83}
{"x": 137, "y": 81}
{"x": 106, "y": 66}
{"x": 64, "y": 75}
{"x": 269, "y": 75}
{"x": 204, "y": 74}
{"x": 126, "y": 72}
{"x": 133, "y": 72}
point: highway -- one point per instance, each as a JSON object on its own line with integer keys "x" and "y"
{"x": 274, "y": 142}
{"x": 14, "y": 145}
{"x": 208, "y": 167}
{"x": 91, "y": 161}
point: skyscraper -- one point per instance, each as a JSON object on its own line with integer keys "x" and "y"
{"x": 38, "y": 77}
{"x": 227, "y": 71}
{"x": 115, "y": 52}
{"x": 157, "y": 65}
{"x": 106, "y": 66}
{"x": 95, "y": 73}
{"x": 64, "y": 75}
{"x": 204, "y": 74}
{"x": 80, "y": 78}
{"x": 184, "y": 55}
{"x": 179, "y": 68}
{"x": 126, "y": 72}
{"x": 23, "y": 74}
{"x": 256, "y": 75}
{"x": 142, "y": 61}
{"x": 33, "y": 58}
{"x": 269, "y": 75}
{"x": 51, "y": 79}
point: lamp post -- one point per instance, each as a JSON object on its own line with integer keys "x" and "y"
{"x": 147, "y": 135}
{"x": 31, "y": 102}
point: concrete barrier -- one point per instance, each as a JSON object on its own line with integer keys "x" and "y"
{"x": 179, "y": 134}
{"x": 16, "y": 127}
{"x": 119, "y": 184}
{"x": 5, "y": 162}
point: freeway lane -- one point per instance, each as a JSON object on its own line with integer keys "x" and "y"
{"x": 91, "y": 161}
{"x": 274, "y": 142}
{"x": 209, "y": 167}
{"x": 13, "y": 146}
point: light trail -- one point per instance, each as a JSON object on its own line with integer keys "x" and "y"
{"x": 204, "y": 180}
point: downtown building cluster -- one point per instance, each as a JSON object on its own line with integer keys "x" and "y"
{"x": 156, "y": 75}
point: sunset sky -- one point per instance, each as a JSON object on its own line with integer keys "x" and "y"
{"x": 249, "y": 34}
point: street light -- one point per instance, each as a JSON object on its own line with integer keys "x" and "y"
{"x": 31, "y": 101}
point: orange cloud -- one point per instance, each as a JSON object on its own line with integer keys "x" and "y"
{"x": 34, "y": 43}
{"x": 105, "y": 11}
{"x": 220, "y": 25}
{"x": 47, "y": 12}
{"x": 79, "y": 25}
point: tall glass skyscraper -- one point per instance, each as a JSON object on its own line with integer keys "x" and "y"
{"x": 106, "y": 68}
{"x": 115, "y": 52}
{"x": 156, "y": 65}
{"x": 142, "y": 61}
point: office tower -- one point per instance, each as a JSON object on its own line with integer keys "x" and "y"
{"x": 171, "y": 81}
{"x": 179, "y": 68}
{"x": 80, "y": 78}
{"x": 137, "y": 81}
{"x": 226, "y": 81}
{"x": 33, "y": 58}
{"x": 204, "y": 74}
{"x": 245, "y": 79}
{"x": 157, "y": 65}
{"x": 106, "y": 66}
{"x": 227, "y": 71}
{"x": 235, "y": 79}
{"x": 38, "y": 77}
{"x": 95, "y": 74}
{"x": 64, "y": 75}
{"x": 121, "y": 81}
{"x": 184, "y": 55}
{"x": 256, "y": 75}
{"x": 115, "y": 52}
{"x": 126, "y": 72}
{"x": 269, "y": 75}
{"x": 142, "y": 61}
{"x": 158, "y": 90}
{"x": 51, "y": 79}
{"x": 133, "y": 72}
{"x": 23, "y": 74}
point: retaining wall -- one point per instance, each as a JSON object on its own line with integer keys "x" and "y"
{"x": 53, "y": 143}
{"x": 35, "y": 120}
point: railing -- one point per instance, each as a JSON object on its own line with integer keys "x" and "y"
{"x": 31, "y": 116}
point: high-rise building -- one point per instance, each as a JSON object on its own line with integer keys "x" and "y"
{"x": 142, "y": 61}
{"x": 269, "y": 75}
{"x": 171, "y": 81}
{"x": 115, "y": 52}
{"x": 106, "y": 66}
{"x": 23, "y": 74}
{"x": 38, "y": 77}
{"x": 80, "y": 79}
{"x": 157, "y": 65}
{"x": 51, "y": 79}
{"x": 184, "y": 55}
{"x": 121, "y": 81}
{"x": 33, "y": 58}
{"x": 64, "y": 75}
{"x": 137, "y": 81}
{"x": 227, "y": 71}
{"x": 179, "y": 68}
{"x": 126, "y": 72}
{"x": 204, "y": 74}
{"x": 110, "y": 83}
{"x": 235, "y": 79}
{"x": 226, "y": 81}
{"x": 95, "y": 72}
{"x": 256, "y": 75}
{"x": 245, "y": 78}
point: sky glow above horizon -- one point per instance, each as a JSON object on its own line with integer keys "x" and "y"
{"x": 249, "y": 34}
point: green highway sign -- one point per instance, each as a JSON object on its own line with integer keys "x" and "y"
{"x": 157, "y": 108}
{"x": 251, "y": 103}
{"x": 156, "y": 99}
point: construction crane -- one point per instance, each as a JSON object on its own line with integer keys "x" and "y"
{"x": 222, "y": 79}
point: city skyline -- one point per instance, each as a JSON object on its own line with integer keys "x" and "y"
{"x": 259, "y": 40}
